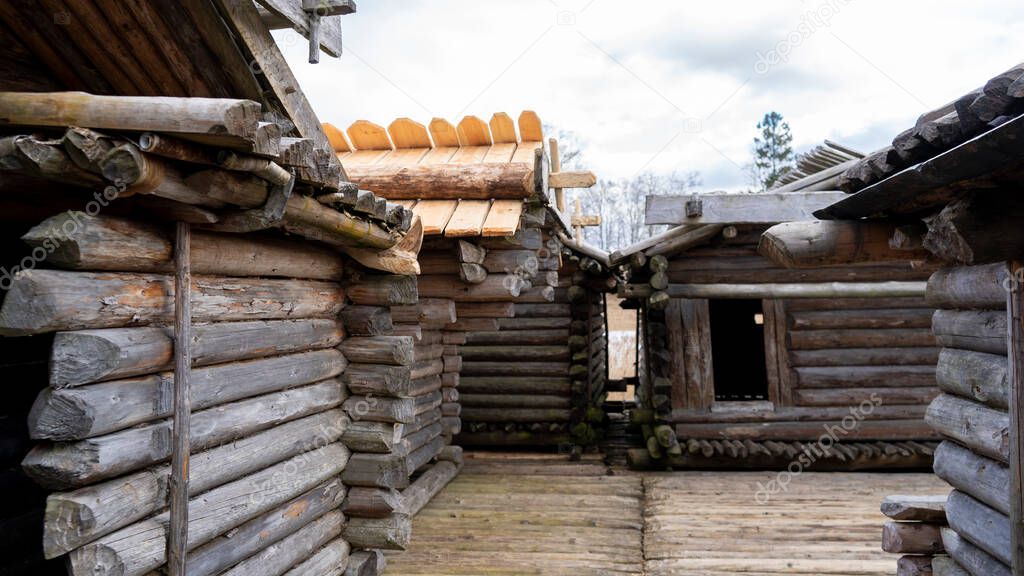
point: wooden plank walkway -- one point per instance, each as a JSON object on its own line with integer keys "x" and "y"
{"x": 539, "y": 514}
{"x": 712, "y": 523}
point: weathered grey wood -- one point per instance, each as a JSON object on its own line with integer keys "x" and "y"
{"x": 866, "y": 357}
{"x": 982, "y": 526}
{"x": 884, "y": 318}
{"x": 390, "y": 533}
{"x": 367, "y": 320}
{"x": 472, "y": 273}
{"x": 815, "y": 243}
{"x": 832, "y": 377}
{"x": 384, "y": 290}
{"x": 978, "y": 330}
{"x": 974, "y": 559}
{"x": 331, "y": 560}
{"x": 976, "y": 375}
{"x": 76, "y": 518}
{"x": 373, "y": 409}
{"x": 981, "y": 477}
{"x": 1015, "y": 338}
{"x": 723, "y": 208}
{"x": 140, "y": 548}
{"x": 946, "y": 566}
{"x": 365, "y": 502}
{"x": 181, "y": 445}
{"x": 911, "y": 538}
{"x": 860, "y": 338}
{"x": 511, "y": 352}
{"x": 977, "y": 228}
{"x": 373, "y": 437}
{"x": 516, "y": 415}
{"x": 378, "y": 380}
{"x": 514, "y": 401}
{"x": 276, "y": 558}
{"x": 771, "y": 291}
{"x": 915, "y": 508}
{"x": 51, "y": 300}
{"x": 366, "y": 563}
{"x": 377, "y": 471}
{"x": 119, "y": 244}
{"x": 974, "y": 425}
{"x": 428, "y": 485}
{"x": 219, "y": 121}
{"x": 329, "y": 32}
{"x": 388, "y": 350}
{"x": 84, "y": 356}
{"x": 911, "y": 565}
{"x": 549, "y": 337}
{"x": 86, "y": 411}
{"x": 495, "y": 288}
{"x": 247, "y": 539}
{"x": 980, "y": 287}
{"x": 65, "y": 465}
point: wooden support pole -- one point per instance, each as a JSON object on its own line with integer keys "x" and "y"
{"x": 556, "y": 166}
{"x": 177, "y": 534}
{"x": 1015, "y": 340}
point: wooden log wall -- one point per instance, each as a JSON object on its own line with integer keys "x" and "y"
{"x": 529, "y": 359}
{"x": 824, "y": 358}
{"x": 404, "y": 411}
{"x": 305, "y": 396}
{"x": 917, "y": 531}
{"x": 972, "y": 415}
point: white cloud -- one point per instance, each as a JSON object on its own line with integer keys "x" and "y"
{"x": 634, "y": 80}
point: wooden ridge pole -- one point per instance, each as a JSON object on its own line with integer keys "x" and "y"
{"x": 177, "y": 539}
{"x": 1015, "y": 340}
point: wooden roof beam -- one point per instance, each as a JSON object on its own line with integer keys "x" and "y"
{"x": 725, "y": 208}
{"x": 816, "y": 243}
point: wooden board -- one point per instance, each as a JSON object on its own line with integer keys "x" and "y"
{"x": 434, "y": 214}
{"x": 729, "y": 523}
{"x": 500, "y": 153}
{"x": 503, "y": 129}
{"x": 530, "y": 129}
{"x": 474, "y": 132}
{"x": 337, "y": 138}
{"x": 722, "y": 208}
{"x": 524, "y": 152}
{"x": 503, "y": 219}
{"x": 366, "y": 135}
{"x": 407, "y": 133}
{"x": 468, "y": 218}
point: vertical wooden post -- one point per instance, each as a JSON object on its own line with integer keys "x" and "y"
{"x": 1015, "y": 341}
{"x": 177, "y": 541}
{"x": 556, "y": 166}
{"x": 578, "y": 216}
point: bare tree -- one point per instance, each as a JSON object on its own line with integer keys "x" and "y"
{"x": 620, "y": 203}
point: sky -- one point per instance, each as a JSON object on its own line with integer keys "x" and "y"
{"x": 664, "y": 86}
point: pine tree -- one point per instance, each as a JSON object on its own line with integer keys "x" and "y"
{"x": 773, "y": 155}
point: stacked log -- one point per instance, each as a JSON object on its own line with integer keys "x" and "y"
{"x": 937, "y": 131}
{"x": 914, "y": 531}
{"x": 396, "y": 435}
{"x": 266, "y": 389}
{"x": 972, "y": 414}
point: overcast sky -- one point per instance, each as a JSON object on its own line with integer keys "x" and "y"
{"x": 670, "y": 85}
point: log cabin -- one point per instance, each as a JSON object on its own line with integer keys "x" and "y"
{"x": 747, "y": 364}
{"x": 520, "y": 304}
{"x": 175, "y": 186}
{"x": 948, "y": 186}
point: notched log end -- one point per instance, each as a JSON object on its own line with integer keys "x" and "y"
{"x": 59, "y": 416}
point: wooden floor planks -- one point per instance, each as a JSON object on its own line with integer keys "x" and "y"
{"x": 711, "y": 522}
{"x": 541, "y": 514}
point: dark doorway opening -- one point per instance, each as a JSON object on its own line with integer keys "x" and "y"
{"x": 737, "y": 347}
